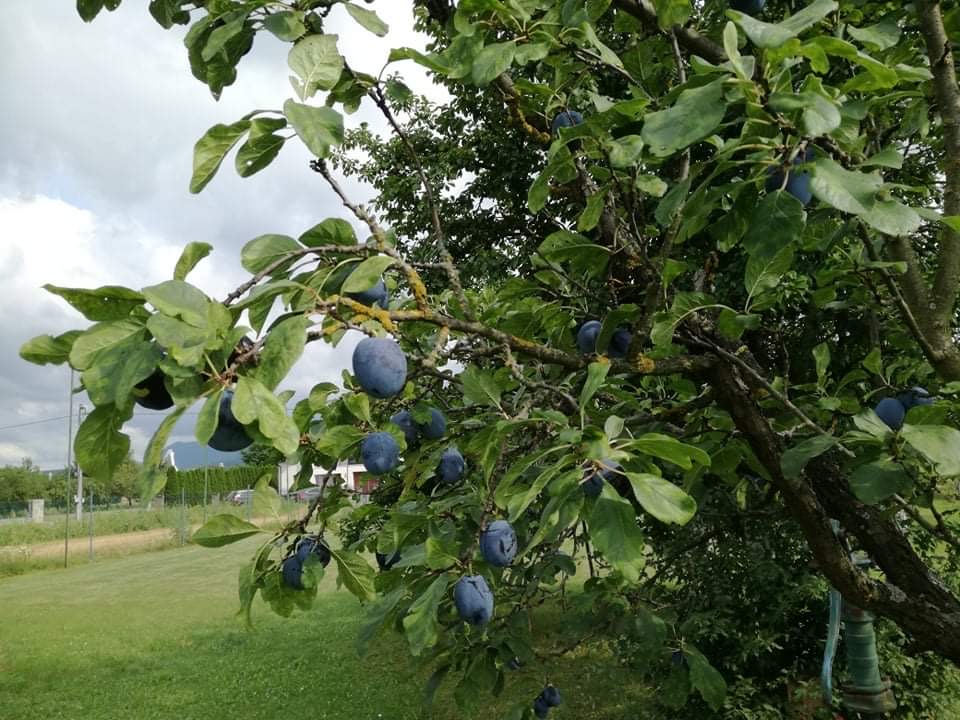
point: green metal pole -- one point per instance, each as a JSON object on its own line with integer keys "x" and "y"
{"x": 866, "y": 692}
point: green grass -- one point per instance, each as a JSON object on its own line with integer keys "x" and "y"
{"x": 154, "y": 636}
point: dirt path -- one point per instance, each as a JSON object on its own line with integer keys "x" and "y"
{"x": 119, "y": 543}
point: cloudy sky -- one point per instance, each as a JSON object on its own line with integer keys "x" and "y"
{"x": 96, "y": 139}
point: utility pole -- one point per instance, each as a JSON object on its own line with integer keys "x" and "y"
{"x": 80, "y": 415}
{"x": 66, "y": 496}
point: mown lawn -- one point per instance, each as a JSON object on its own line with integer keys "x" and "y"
{"x": 154, "y": 636}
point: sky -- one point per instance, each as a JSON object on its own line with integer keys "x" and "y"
{"x": 96, "y": 141}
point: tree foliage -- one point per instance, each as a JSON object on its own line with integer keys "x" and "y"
{"x": 763, "y": 327}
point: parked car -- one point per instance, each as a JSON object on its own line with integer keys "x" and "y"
{"x": 240, "y": 497}
{"x": 308, "y": 494}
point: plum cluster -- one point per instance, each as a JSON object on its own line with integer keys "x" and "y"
{"x": 589, "y": 332}
{"x": 893, "y": 410}
{"x": 292, "y": 567}
{"x": 548, "y": 698}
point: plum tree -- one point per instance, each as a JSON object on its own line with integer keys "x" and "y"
{"x": 473, "y": 599}
{"x": 380, "y": 366}
{"x": 749, "y": 330}
{"x": 380, "y": 453}
{"x": 451, "y": 467}
{"x": 498, "y": 543}
{"x": 230, "y": 435}
{"x": 892, "y": 412}
{"x": 155, "y": 394}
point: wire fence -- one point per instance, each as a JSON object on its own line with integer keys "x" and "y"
{"x": 61, "y": 534}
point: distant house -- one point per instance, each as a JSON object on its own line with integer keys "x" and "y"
{"x": 353, "y": 474}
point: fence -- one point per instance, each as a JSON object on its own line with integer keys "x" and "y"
{"x": 108, "y": 525}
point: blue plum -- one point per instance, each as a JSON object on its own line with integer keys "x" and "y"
{"x": 451, "y": 466}
{"x": 551, "y": 696}
{"x": 498, "y": 543}
{"x": 594, "y": 478}
{"x": 915, "y": 396}
{"x": 892, "y": 412}
{"x": 230, "y": 434}
{"x": 514, "y": 664}
{"x": 156, "y": 396}
{"x": 380, "y": 453}
{"x": 473, "y": 599}
{"x": 587, "y": 336}
{"x": 436, "y": 428}
{"x": 404, "y": 421}
{"x": 316, "y": 546}
{"x": 797, "y": 181}
{"x": 385, "y": 562}
{"x": 380, "y": 366}
{"x": 540, "y": 707}
{"x": 748, "y": 6}
{"x": 292, "y": 570}
{"x": 619, "y": 343}
{"x": 564, "y": 119}
{"x": 376, "y": 295}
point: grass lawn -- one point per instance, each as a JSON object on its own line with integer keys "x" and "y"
{"x": 153, "y": 636}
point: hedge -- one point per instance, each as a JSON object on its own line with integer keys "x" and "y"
{"x": 219, "y": 480}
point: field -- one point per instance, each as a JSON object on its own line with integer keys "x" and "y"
{"x": 153, "y": 636}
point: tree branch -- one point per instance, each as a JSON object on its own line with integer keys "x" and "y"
{"x": 693, "y": 41}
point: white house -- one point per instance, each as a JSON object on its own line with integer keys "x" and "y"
{"x": 353, "y": 474}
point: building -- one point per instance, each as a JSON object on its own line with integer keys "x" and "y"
{"x": 353, "y": 474}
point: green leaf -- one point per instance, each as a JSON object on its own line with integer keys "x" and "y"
{"x": 368, "y": 19}
{"x": 117, "y": 369}
{"x": 153, "y": 476}
{"x": 367, "y": 274}
{"x": 376, "y": 617}
{"x": 185, "y": 343}
{"x": 266, "y": 501}
{"x": 339, "y": 440}
{"x": 222, "y": 530}
{"x": 938, "y": 443}
{"x": 179, "y": 299}
{"x": 359, "y": 406}
{"x": 625, "y": 152}
{"x": 615, "y": 534}
{"x": 263, "y": 251}
{"x": 820, "y": 115}
{"x": 318, "y": 127}
{"x": 261, "y": 147}
{"x": 420, "y": 623}
{"x": 332, "y": 231}
{"x": 89, "y": 9}
{"x": 696, "y": 114}
{"x": 662, "y": 499}
{"x": 253, "y": 402}
{"x": 286, "y": 25}
{"x": 766, "y": 35}
{"x": 882, "y": 36}
{"x": 193, "y": 253}
{"x": 764, "y": 273}
{"x": 480, "y": 387}
{"x": 355, "y": 574}
{"x": 888, "y": 157}
{"x": 44, "y": 349}
{"x": 222, "y": 35}
{"x": 793, "y": 460}
{"x": 672, "y": 12}
{"x": 879, "y": 480}
{"x": 777, "y": 222}
{"x": 317, "y": 63}
{"x": 870, "y": 423}
{"x": 209, "y": 417}
{"x": 669, "y": 449}
{"x": 110, "y": 302}
{"x": 99, "y": 445}
{"x": 284, "y": 346}
{"x": 596, "y": 376}
{"x": 211, "y": 149}
{"x": 492, "y": 61}
{"x": 100, "y": 337}
{"x": 705, "y": 678}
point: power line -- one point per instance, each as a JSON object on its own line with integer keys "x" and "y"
{"x": 64, "y": 417}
